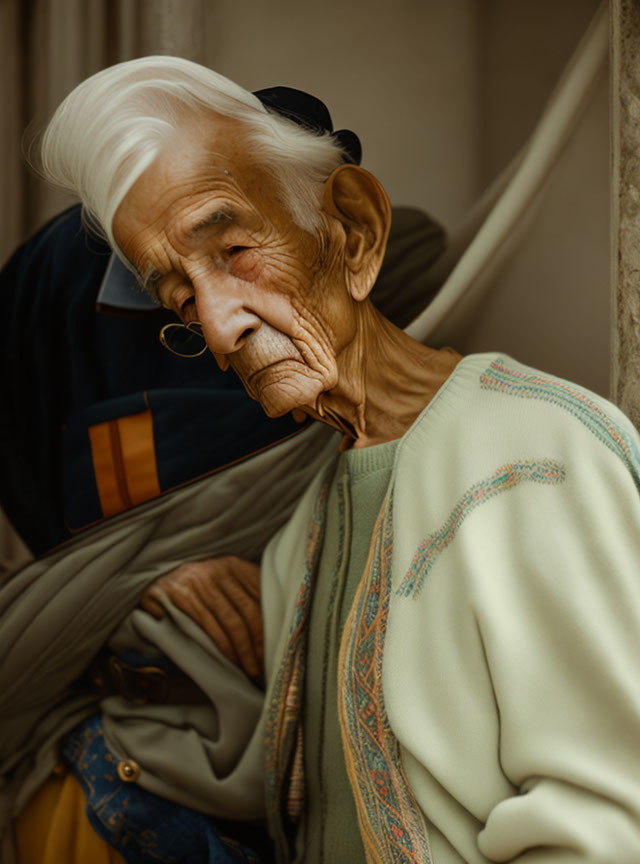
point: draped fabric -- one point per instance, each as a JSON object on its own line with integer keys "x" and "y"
{"x": 58, "y": 611}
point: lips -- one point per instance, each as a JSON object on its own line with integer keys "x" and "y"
{"x": 270, "y": 366}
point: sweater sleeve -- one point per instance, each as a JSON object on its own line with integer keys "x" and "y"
{"x": 512, "y": 652}
{"x": 560, "y": 629}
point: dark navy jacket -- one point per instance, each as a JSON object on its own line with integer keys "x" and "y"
{"x": 96, "y": 415}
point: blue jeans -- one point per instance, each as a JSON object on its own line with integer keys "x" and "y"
{"x": 142, "y": 827}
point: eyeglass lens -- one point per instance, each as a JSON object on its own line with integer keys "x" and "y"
{"x": 184, "y": 340}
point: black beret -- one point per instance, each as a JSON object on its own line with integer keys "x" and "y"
{"x": 309, "y": 112}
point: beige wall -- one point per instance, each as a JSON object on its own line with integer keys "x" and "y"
{"x": 401, "y": 74}
{"x": 524, "y": 45}
{"x": 550, "y": 306}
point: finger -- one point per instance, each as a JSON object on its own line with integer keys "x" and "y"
{"x": 237, "y": 629}
{"x": 249, "y": 610}
{"x": 246, "y": 573}
{"x": 152, "y": 606}
{"x": 195, "y": 607}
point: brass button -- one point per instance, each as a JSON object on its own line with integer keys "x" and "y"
{"x": 128, "y": 770}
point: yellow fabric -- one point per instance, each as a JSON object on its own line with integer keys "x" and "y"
{"x": 109, "y": 472}
{"x": 53, "y": 828}
{"x": 124, "y": 462}
{"x": 139, "y": 456}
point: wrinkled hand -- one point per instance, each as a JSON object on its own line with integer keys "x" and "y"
{"x": 222, "y": 595}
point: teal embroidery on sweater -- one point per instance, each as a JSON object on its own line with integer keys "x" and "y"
{"x": 506, "y": 477}
{"x": 390, "y": 820}
{"x": 531, "y": 385}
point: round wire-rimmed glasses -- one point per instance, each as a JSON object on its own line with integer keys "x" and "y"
{"x": 185, "y": 340}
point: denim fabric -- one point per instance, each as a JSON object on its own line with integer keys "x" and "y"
{"x": 142, "y": 827}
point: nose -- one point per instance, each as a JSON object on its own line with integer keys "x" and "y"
{"x": 227, "y": 319}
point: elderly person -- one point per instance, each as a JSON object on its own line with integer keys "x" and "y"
{"x": 452, "y": 613}
{"x": 196, "y": 474}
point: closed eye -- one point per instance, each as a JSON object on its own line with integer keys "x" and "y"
{"x": 233, "y": 250}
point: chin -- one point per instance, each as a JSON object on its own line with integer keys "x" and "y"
{"x": 279, "y": 399}
{"x": 275, "y": 411}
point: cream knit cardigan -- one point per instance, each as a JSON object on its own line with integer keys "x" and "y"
{"x": 490, "y": 667}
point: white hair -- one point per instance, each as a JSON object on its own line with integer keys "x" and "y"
{"x": 114, "y": 125}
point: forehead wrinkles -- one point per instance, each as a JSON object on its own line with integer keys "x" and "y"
{"x": 185, "y": 186}
{"x": 156, "y": 241}
{"x": 218, "y": 209}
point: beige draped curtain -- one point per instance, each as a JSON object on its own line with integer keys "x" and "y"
{"x": 46, "y": 48}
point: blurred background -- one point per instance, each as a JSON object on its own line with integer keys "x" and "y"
{"x": 443, "y": 94}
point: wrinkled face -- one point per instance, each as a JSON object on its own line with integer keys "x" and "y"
{"x": 204, "y": 225}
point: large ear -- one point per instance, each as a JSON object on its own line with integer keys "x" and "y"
{"x": 354, "y": 197}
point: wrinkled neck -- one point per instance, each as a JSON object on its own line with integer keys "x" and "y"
{"x": 385, "y": 380}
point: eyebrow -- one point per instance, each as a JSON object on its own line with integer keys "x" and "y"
{"x": 221, "y": 218}
{"x": 150, "y": 282}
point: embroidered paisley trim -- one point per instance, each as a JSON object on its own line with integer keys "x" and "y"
{"x": 504, "y": 478}
{"x": 389, "y": 817}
